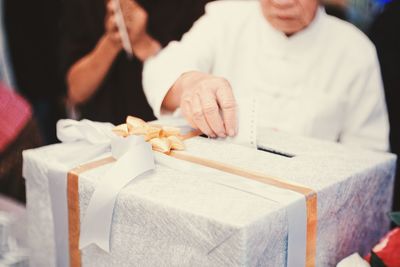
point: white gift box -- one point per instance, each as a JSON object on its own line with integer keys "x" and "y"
{"x": 184, "y": 214}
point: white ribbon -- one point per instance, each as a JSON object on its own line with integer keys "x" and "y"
{"x": 134, "y": 157}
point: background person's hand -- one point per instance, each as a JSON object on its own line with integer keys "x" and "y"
{"x": 135, "y": 18}
{"x": 208, "y": 104}
{"x": 111, "y": 28}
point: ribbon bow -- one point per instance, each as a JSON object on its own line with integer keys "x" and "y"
{"x": 133, "y": 157}
{"x": 162, "y": 138}
{"x": 131, "y": 145}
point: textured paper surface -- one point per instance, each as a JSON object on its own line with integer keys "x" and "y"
{"x": 198, "y": 217}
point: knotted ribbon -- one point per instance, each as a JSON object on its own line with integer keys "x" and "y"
{"x": 133, "y": 157}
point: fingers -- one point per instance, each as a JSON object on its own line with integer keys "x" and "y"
{"x": 110, "y": 7}
{"x": 187, "y": 113}
{"x": 112, "y": 31}
{"x": 199, "y": 118}
{"x": 202, "y": 112}
{"x": 211, "y": 113}
{"x": 227, "y": 105}
{"x": 132, "y": 4}
{"x": 130, "y": 8}
{"x": 111, "y": 25}
{"x": 116, "y": 37}
{"x": 208, "y": 104}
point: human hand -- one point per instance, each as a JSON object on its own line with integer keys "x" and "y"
{"x": 207, "y": 102}
{"x": 111, "y": 29}
{"x": 143, "y": 45}
{"x": 135, "y": 18}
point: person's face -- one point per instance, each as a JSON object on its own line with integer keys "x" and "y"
{"x": 289, "y": 16}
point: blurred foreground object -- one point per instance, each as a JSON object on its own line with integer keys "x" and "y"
{"x": 32, "y": 32}
{"x": 387, "y": 252}
{"x": 18, "y": 131}
{"x": 12, "y": 229}
{"x": 353, "y": 260}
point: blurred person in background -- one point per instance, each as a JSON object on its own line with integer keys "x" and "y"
{"x": 362, "y": 12}
{"x": 280, "y": 64}
{"x": 32, "y": 29}
{"x": 103, "y": 83}
{"x": 18, "y": 129}
{"x": 385, "y": 33}
{"x": 337, "y": 8}
{"x": 359, "y": 12}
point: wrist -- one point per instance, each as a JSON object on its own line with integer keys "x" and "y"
{"x": 111, "y": 45}
{"x": 145, "y": 47}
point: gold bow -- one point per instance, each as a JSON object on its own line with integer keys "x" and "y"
{"x": 162, "y": 138}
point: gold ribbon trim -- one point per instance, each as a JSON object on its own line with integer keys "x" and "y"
{"x": 73, "y": 207}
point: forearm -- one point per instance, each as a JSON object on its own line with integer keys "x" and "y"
{"x": 86, "y": 75}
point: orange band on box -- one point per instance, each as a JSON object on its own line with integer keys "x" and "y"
{"x": 73, "y": 207}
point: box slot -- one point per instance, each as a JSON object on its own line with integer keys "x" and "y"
{"x": 276, "y": 152}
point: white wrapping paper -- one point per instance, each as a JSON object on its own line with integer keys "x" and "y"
{"x": 191, "y": 216}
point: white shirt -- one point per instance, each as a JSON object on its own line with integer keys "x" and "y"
{"x": 322, "y": 82}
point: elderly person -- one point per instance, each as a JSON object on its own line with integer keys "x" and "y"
{"x": 282, "y": 64}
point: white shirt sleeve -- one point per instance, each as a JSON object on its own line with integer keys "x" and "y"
{"x": 195, "y": 52}
{"x": 367, "y": 123}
